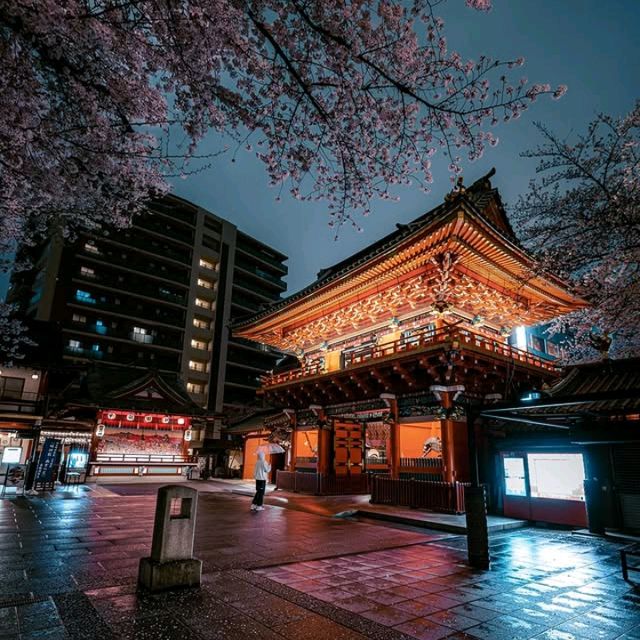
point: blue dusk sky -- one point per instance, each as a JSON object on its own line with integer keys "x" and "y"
{"x": 589, "y": 45}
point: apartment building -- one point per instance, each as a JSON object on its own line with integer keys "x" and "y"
{"x": 160, "y": 295}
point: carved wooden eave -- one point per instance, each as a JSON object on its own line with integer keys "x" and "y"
{"x": 376, "y": 287}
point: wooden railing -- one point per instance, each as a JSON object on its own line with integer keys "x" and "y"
{"x": 426, "y": 463}
{"x": 447, "y": 497}
{"x": 457, "y": 337}
{"x": 322, "y": 484}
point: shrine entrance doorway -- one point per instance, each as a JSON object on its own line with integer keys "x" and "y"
{"x": 348, "y": 444}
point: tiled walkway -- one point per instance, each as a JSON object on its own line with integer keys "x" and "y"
{"x": 541, "y": 584}
{"x": 68, "y": 566}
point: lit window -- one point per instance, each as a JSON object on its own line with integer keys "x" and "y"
{"x": 95, "y": 348}
{"x": 87, "y": 272}
{"x": 195, "y": 387}
{"x": 84, "y": 296}
{"x": 206, "y": 284}
{"x": 75, "y": 345}
{"x": 514, "y": 477}
{"x": 206, "y": 264}
{"x": 200, "y": 323}
{"x": 558, "y": 476}
{"x": 139, "y": 334}
{"x": 553, "y": 349}
{"x": 90, "y": 247}
{"x": 204, "y": 304}
{"x": 79, "y": 318}
{"x": 197, "y": 365}
{"x": 199, "y": 344}
{"x": 537, "y": 344}
{"x": 101, "y": 327}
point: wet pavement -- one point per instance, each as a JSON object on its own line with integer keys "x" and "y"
{"x": 68, "y": 567}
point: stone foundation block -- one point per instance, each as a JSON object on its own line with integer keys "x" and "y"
{"x": 158, "y": 576}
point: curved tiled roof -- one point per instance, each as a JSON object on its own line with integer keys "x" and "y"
{"x": 479, "y": 195}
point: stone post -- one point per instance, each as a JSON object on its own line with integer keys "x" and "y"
{"x": 477, "y": 531}
{"x": 172, "y": 563}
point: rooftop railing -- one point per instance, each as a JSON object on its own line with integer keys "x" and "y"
{"x": 457, "y": 338}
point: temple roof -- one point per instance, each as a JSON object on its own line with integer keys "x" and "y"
{"x": 585, "y": 394}
{"x": 104, "y": 386}
{"x": 471, "y": 220}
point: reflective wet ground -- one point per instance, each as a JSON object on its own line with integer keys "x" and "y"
{"x": 68, "y": 567}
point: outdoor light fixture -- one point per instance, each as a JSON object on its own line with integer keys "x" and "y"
{"x": 530, "y": 396}
{"x": 34, "y": 376}
{"x": 180, "y": 420}
{"x": 111, "y": 415}
{"x": 148, "y": 418}
{"x": 188, "y": 434}
{"x": 166, "y": 419}
{"x": 130, "y": 417}
{"x": 100, "y": 430}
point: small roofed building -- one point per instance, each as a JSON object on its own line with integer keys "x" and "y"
{"x": 396, "y": 340}
{"x": 576, "y": 444}
{"x": 126, "y": 424}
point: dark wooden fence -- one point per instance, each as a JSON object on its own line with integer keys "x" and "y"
{"x": 447, "y": 497}
{"x": 322, "y": 484}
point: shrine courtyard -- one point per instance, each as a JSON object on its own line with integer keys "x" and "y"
{"x": 68, "y": 567}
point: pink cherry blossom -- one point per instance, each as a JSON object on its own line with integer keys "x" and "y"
{"x": 582, "y": 217}
{"x": 103, "y": 101}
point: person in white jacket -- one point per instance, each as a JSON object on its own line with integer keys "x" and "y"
{"x": 260, "y": 473}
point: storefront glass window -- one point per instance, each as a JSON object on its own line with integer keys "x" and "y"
{"x": 558, "y": 476}
{"x": 514, "y": 477}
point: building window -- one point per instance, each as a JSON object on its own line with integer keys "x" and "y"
{"x": 199, "y": 344}
{"x": 203, "y": 304}
{"x": 79, "y": 318}
{"x": 11, "y": 388}
{"x": 101, "y": 327}
{"x": 87, "y": 272}
{"x": 195, "y": 387}
{"x": 514, "y": 477}
{"x": 197, "y": 365}
{"x": 206, "y": 264}
{"x": 206, "y": 284}
{"x": 553, "y": 349}
{"x": 75, "y": 345}
{"x": 90, "y": 247}
{"x": 84, "y": 296}
{"x": 139, "y": 334}
{"x": 537, "y": 344}
{"x": 199, "y": 323}
{"x": 556, "y": 476}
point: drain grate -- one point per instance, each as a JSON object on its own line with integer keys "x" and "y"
{"x": 16, "y": 601}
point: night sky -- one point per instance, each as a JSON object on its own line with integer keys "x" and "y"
{"x": 589, "y": 45}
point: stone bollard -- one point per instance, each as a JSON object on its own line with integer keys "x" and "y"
{"x": 172, "y": 563}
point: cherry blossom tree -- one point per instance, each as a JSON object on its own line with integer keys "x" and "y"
{"x": 582, "y": 218}
{"x": 103, "y": 100}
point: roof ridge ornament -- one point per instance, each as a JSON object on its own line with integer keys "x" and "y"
{"x": 458, "y": 190}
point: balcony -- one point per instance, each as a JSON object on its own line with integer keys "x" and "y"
{"x": 456, "y": 339}
{"x": 256, "y": 253}
{"x": 20, "y": 402}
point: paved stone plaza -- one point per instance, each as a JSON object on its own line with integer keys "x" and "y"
{"x": 68, "y": 567}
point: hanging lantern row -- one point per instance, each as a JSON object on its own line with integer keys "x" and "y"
{"x": 142, "y": 420}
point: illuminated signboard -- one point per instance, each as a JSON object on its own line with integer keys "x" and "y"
{"x": 11, "y": 455}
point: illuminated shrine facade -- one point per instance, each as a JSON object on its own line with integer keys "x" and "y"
{"x": 393, "y": 341}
